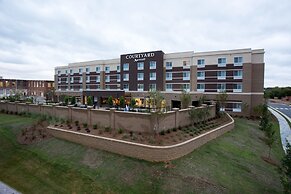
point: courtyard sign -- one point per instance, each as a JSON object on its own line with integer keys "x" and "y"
{"x": 139, "y": 56}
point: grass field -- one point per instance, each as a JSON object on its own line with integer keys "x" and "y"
{"x": 230, "y": 164}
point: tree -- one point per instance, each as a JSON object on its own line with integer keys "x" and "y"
{"x": 285, "y": 170}
{"x": 201, "y": 100}
{"x": 110, "y": 101}
{"x": 155, "y": 101}
{"x": 122, "y": 102}
{"x": 221, "y": 99}
{"x": 73, "y": 100}
{"x": 185, "y": 99}
{"x": 206, "y": 113}
{"x": 132, "y": 103}
{"x": 264, "y": 118}
{"x": 66, "y": 100}
{"x": 270, "y": 135}
{"x": 90, "y": 101}
{"x": 193, "y": 115}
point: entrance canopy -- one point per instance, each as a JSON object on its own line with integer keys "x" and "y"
{"x": 104, "y": 93}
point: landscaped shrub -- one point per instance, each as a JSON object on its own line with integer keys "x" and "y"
{"x": 168, "y": 131}
{"x": 2, "y": 111}
{"x": 107, "y": 129}
{"x": 120, "y": 130}
{"x": 77, "y": 123}
{"x": 180, "y": 128}
{"x": 175, "y": 129}
{"x": 78, "y": 128}
{"x": 68, "y": 122}
{"x": 85, "y": 125}
{"x": 131, "y": 133}
{"x": 95, "y": 126}
{"x": 162, "y": 132}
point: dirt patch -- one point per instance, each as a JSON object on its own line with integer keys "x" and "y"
{"x": 270, "y": 161}
{"x": 33, "y": 134}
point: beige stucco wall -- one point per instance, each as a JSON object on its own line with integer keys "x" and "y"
{"x": 100, "y": 117}
{"x": 62, "y": 112}
{"x": 137, "y": 122}
{"x": 131, "y": 121}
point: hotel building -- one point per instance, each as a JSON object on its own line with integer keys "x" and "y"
{"x": 238, "y": 72}
{"x": 25, "y": 87}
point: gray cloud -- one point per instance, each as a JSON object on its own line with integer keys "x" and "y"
{"x": 36, "y": 36}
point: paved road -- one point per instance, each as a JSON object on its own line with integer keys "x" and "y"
{"x": 4, "y": 189}
{"x": 285, "y": 130}
{"x": 282, "y": 108}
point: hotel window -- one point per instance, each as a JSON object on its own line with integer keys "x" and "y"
{"x": 201, "y": 63}
{"x": 98, "y": 86}
{"x": 71, "y": 71}
{"x": 221, "y": 74}
{"x": 222, "y": 62}
{"x": 237, "y": 87}
{"x": 168, "y": 65}
{"x": 107, "y": 87}
{"x": 98, "y": 78}
{"x": 169, "y": 87}
{"x": 66, "y": 72}
{"x": 118, "y": 68}
{"x": 152, "y": 76}
{"x": 200, "y": 75}
{"x": 125, "y": 67}
{"x": 221, "y": 87}
{"x": 139, "y": 87}
{"x": 87, "y": 79}
{"x": 236, "y": 107}
{"x": 1, "y": 84}
{"x": 71, "y": 79}
{"x": 140, "y": 65}
{"x": 153, "y": 64}
{"x": 200, "y": 87}
{"x": 97, "y": 69}
{"x": 66, "y": 80}
{"x": 107, "y": 69}
{"x": 80, "y": 80}
{"x": 186, "y": 87}
{"x": 237, "y": 74}
{"x": 118, "y": 77}
{"x": 152, "y": 87}
{"x": 59, "y": 72}
{"x": 125, "y": 87}
{"x": 59, "y": 81}
{"x": 168, "y": 76}
{"x": 125, "y": 77}
{"x": 80, "y": 71}
{"x": 140, "y": 76}
{"x": 238, "y": 61}
{"x": 71, "y": 88}
{"x": 186, "y": 75}
{"x": 87, "y": 87}
{"x": 107, "y": 78}
{"x": 87, "y": 70}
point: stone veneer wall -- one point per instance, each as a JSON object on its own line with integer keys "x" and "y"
{"x": 142, "y": 151}
{"x": 133, "y": 121}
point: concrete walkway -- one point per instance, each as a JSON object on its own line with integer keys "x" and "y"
{"x": 285, "y": 130}
{"x": 4, "y": 189}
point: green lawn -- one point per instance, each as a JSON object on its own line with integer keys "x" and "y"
{"x": 230, "y": 164}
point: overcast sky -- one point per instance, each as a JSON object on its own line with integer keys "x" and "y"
{"x": 36, "y": 36}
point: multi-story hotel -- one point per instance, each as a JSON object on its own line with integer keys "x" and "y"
{"x": 238, "y": 72}
{"x": 25, "y": 87}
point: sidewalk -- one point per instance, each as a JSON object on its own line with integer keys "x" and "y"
{"x": 5, "y": 189}
{"x": 285, "y": 130}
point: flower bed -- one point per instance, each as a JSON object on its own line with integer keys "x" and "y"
{"x": 167, "y": 137}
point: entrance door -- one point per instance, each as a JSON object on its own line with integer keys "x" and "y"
{"x": 176, "y": 104}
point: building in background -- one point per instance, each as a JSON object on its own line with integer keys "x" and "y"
{"x": 26, "y": 88}
{"x": 239, "y": 73}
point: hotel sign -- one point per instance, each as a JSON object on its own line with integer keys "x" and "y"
{"x": 140, "y": 56}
